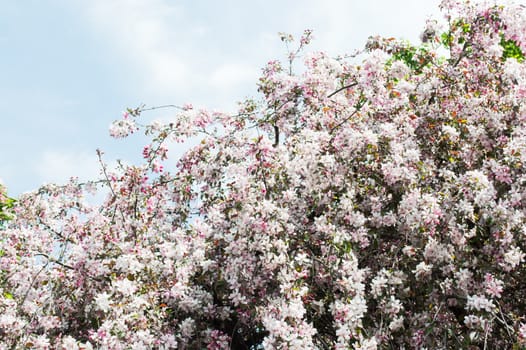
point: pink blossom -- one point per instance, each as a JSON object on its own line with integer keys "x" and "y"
{"x": 360, "y": 202}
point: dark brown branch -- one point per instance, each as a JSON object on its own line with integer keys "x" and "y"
{"x": 276, "y": 136}
{"x": 55, "y": 261}
{"x": 345, "y": 120}
{"x": 52, "y": 260}
{"x": 342, "y": 88}
{"x": 55, "y": 232}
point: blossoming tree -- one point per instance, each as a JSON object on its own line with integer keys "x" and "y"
{"x": 6, "y": 203}
{"x": 379, "y": 205}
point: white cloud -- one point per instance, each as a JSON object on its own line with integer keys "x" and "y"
{"x": 6, "y": 173}
{"x": 234, "y": 74}
{"x": 211, "y": 53}
{"x": 59, "y": 166}
{"x": 142, "y": 32}
{"x": 345, "y": 25}
{"x": 172, "y": 51}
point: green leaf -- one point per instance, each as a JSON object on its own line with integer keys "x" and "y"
{"x": 511, "y": 50}
{"x": 447, "y": 39}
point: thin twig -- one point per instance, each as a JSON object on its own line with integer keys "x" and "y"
{"x": 55, "y": 261}
{"x": 342, "y": 88}
{"x": 69, "y": 267}
{"x": 55, "y": 232}
{"x": 31, "y": 286}
{"x": 344, "y": 121}
{"x": 162, "y": 107}
{"x": 105, "y": 173}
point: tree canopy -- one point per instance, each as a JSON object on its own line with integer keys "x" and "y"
{"x": 6, "y": 203}
{"x": 370, "y": 205}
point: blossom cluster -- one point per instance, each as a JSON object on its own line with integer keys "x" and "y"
{"x": 6, "y": 203}
{"x": 353, "y": 206}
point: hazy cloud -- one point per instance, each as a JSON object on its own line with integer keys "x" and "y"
{"x": 59, "y": 166}
{"x": 144, "y": 35}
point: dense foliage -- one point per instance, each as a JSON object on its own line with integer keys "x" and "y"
{"x": 6, "y": 204}
{"x": 379, "y": 205}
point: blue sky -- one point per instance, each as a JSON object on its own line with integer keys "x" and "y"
{"x": 69, "y": 68}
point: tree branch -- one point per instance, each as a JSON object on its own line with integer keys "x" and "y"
{"x": 358, "y": 107}
{"x": 276, "y": 136}
{"x": 342, "y": 88}
{"x": 55, "y": 261}
{"x": 161, "y": 107}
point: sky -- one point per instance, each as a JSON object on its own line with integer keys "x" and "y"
{"x": 68, "y": 68}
